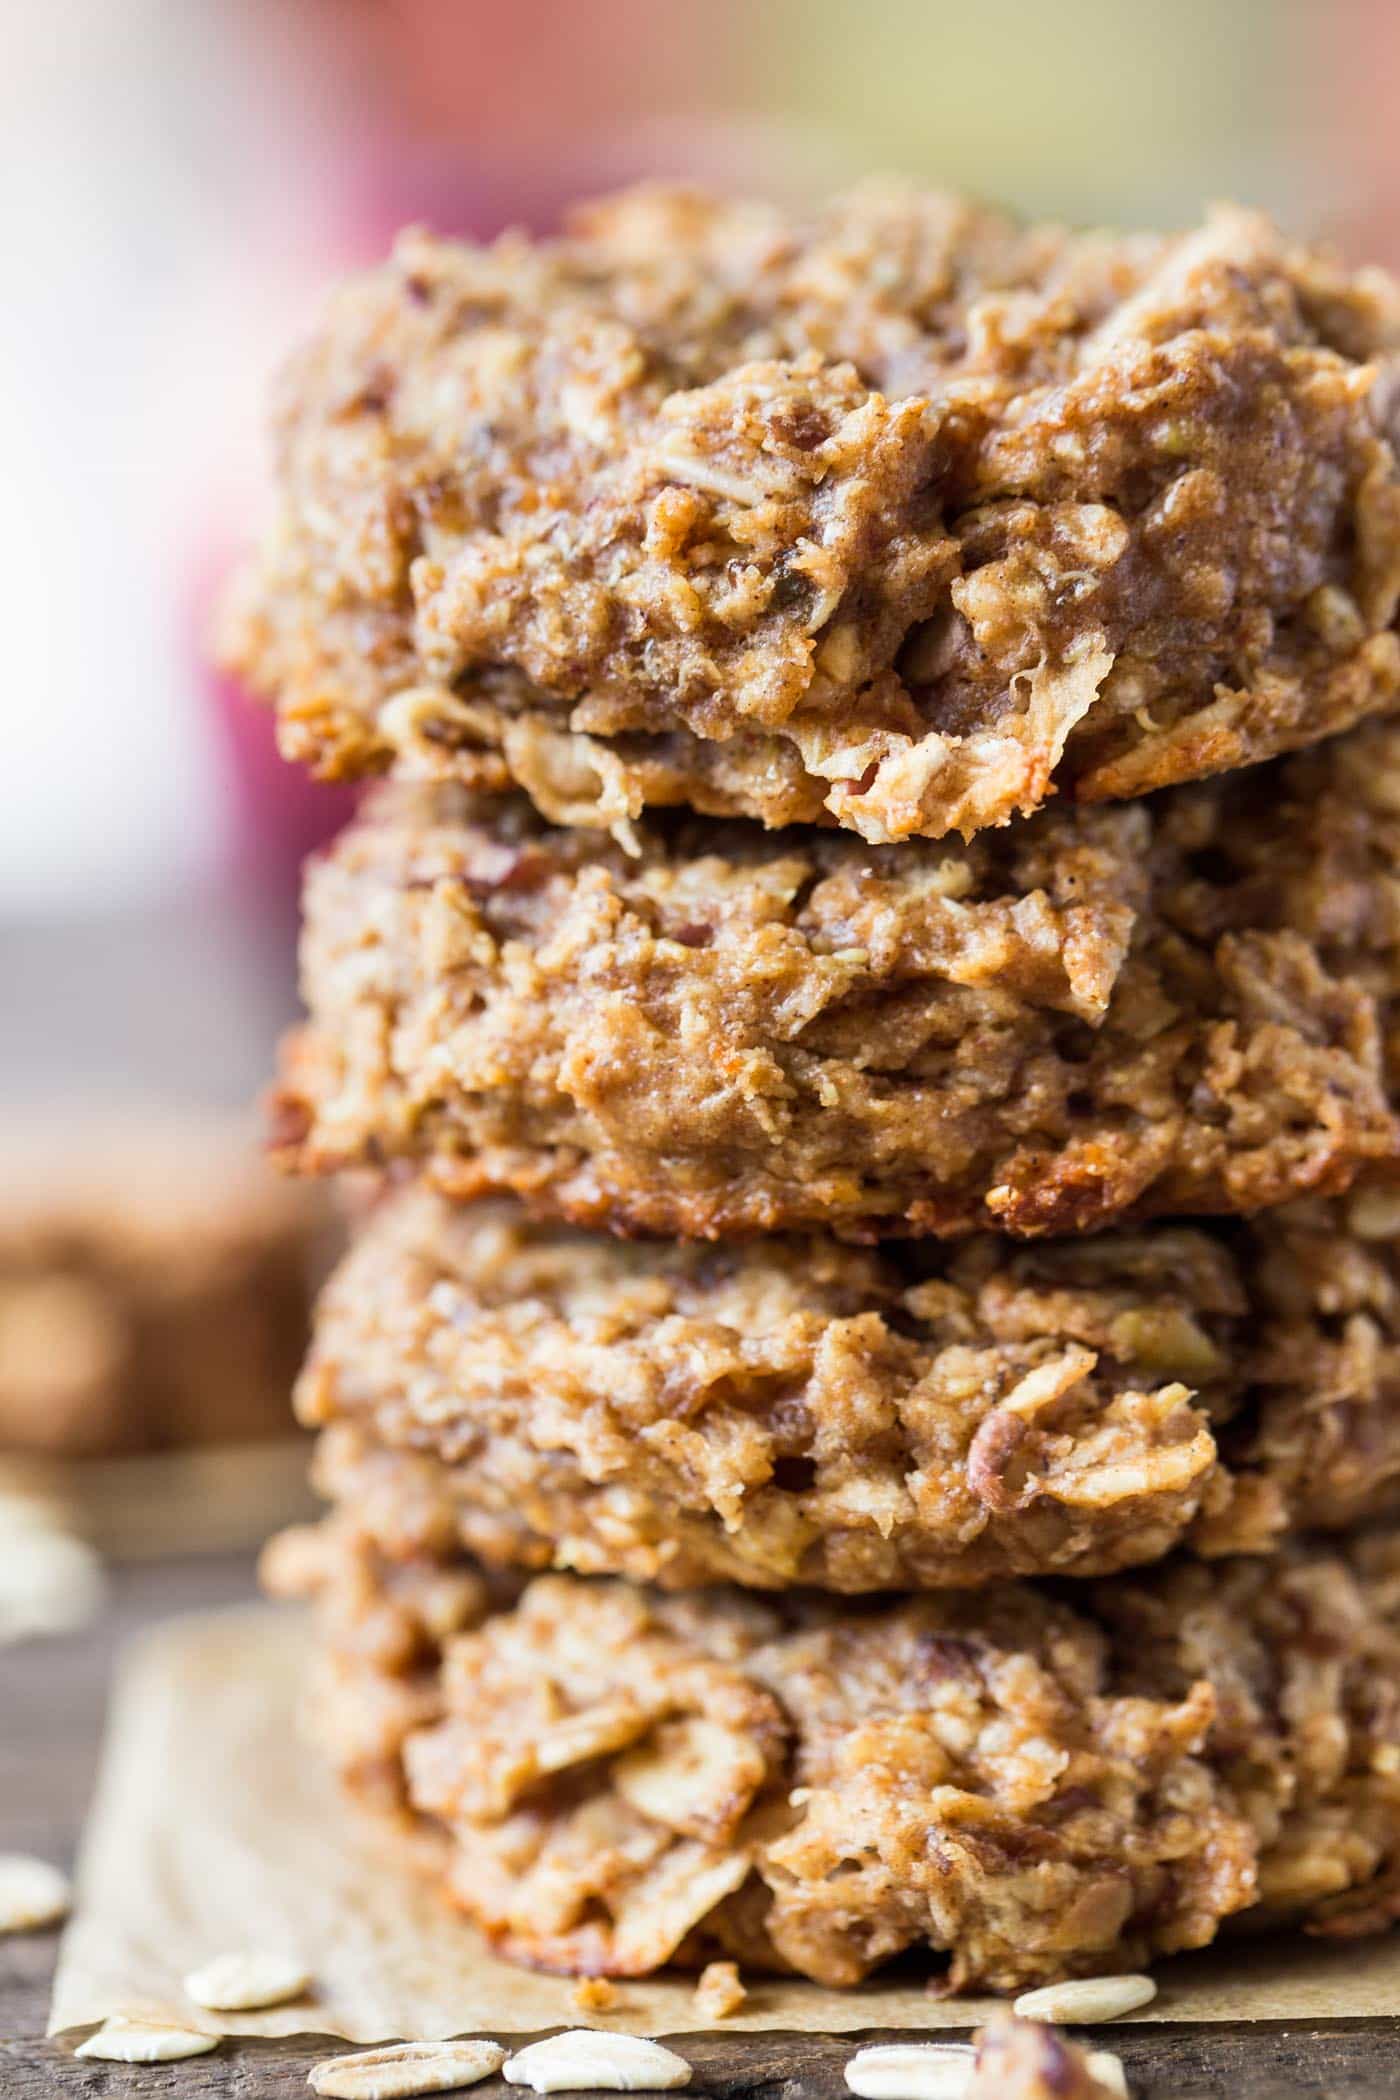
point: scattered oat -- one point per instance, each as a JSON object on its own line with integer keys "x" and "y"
{"x": 246, "y": 1982}
{"x": 911, "y": 2071}
{"x": 32, "y": 1893}
{"x": 27, "y": 1509}
{"x": 584, "y": 2060}
{"x": 405, "y": 2069}
{"x": 1107, "y": 2070}
{"x": 595, "y": 1994}
{"x": 50, "y": 1583}
{"x": 1086, "y": 1999}
{"x": 120, "y": 2040}
{"x": 720, "y": 1991}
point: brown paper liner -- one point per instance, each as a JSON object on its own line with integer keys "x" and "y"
{"x": 215, "y": 1828}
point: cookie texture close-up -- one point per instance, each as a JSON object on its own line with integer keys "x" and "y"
{"x": 1030, "y": 1786}
{"x": 800, "y": 1412}
{"x": 900, "y": 516}
{"x": 1169, "y": 1006}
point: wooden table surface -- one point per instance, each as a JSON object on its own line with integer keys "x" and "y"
{"x": 52, "y": 1695}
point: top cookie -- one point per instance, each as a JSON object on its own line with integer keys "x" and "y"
{"x": 900, "y": 516}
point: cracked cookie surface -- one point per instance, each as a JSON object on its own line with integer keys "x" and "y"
{"x": 608, "y": 1779}
{"x": 801, "y": 1412}
{"x": 901, "y": 516}
{"x": 1173, "y": 1005}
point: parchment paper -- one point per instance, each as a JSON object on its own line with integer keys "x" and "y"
{"x": 215, "y": 1828}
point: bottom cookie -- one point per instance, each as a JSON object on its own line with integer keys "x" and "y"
{"x": 1031, "y": 1784}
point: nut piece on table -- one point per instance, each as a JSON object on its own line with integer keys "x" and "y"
{"x": 1012, "y": 2060}
{"x": 1027, "y": 2060}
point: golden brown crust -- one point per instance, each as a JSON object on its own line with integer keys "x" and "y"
{"x": 899, "y": 516}
{"x": 798, "y": 1411}
{"x": 608, "y": 1779}
{"x": 1164, "y": 1007}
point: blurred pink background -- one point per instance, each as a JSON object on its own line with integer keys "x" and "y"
{"x": 185, "y": 175}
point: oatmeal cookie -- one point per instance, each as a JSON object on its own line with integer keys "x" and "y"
{"x": 802, "y": 1412}
{"x": 608, "y": 1779}
{"x": 1163, "y": 1006}
{"x": 155, "y": 1285}
{"x": 899, "y": 516}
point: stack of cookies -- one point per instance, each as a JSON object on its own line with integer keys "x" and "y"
{"x": 863, "y": 1415}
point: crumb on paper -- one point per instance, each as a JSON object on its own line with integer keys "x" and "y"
{"x": 595, "y": 1994}
{"x": 720, "y": 1991}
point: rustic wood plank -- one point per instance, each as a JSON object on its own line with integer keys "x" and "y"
{"x": 52, "y": 1696}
